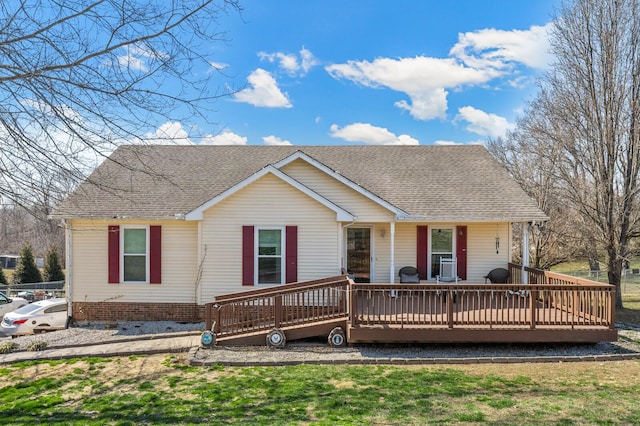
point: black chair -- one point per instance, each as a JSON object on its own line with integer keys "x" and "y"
{"x": 497, "y": 276}
{"x": 409, "y": 274}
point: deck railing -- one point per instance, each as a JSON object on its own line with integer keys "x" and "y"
{"x": 551, "y": 302}
{"x": 279, "y": 306}
{"x": 483, "y": 305}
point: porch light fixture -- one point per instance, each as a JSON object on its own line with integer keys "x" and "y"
{"x": 497, "y": 245}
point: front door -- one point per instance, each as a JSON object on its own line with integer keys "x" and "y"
{"x": 359, "y": 254}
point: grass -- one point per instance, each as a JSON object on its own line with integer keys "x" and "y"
{"x": 163, "y": 390}
{"x": 151, "y": 390}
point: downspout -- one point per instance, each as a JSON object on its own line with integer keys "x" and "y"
{"x": 69, "y": 265}
{"x": 525, "y": 251}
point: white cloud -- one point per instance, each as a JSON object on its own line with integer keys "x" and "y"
{"x": 274, "y": 140}
{"x": 136, "y": 55}
{"x": 218, "y": 66}
{"x": 263, "y": 91}
{"x": 370, "y": 135}
{"x": 170, "y": 133}
{"x": 497, "y": 48}
{"x": 422, "y": 78}
{"x": 441, "y": 142}
{"x": 477, "y": 58}
{"x": 173, "y": 133}
{"x": 224, "y": 138}
{"x": 289, "y": 61}
{"x": 483, "y": 123}
{"x": 308, "y": 60}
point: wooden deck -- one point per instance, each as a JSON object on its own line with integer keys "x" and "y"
{"x": 556, "y": 308}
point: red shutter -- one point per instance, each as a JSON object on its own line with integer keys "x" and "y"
{"x": 422, "y": 251}
{"x": 155, "y": 254}
{"x": 114, "y": 254}
{"x": 461, "y": 251}
{"x": 291, "y": 254}
{"x": 247, "y": 255}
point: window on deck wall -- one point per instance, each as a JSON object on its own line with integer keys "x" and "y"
{"x": 270, "y": 259}
{"x": 134, "y": 255}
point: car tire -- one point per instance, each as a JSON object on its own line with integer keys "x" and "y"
{"x": 276, "y": 338}
{"x": 337, "y": 338}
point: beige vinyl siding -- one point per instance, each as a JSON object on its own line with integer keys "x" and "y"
{"x": 268, "y": 202}
{"x": 405, "y": 246}
{"x": 382, "y": 252}
{"x": 355, "y": 203}
{"x": 89, "y": 267}
{"x": 481, "y": 251}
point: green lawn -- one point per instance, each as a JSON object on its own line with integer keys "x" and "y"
{"x": 161, "y": 389}
{"x": 158, "y": 390}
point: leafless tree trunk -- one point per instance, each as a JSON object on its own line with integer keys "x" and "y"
{"x": 79, "y": 77}
{"x": 585, "y": 122}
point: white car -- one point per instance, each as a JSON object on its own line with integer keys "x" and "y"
{"x": 51, "y": 313}
{"x": 8, "y": 304}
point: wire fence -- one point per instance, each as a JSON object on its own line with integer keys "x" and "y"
{"x": 629, "y": 284}
{"x": 35, "y": 291}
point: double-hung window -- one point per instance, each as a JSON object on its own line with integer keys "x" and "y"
{"x": 135, "y": 258}
{"x": 270, "y": 259}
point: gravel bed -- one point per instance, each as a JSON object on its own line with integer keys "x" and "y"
{"x": 628, "y": 344}
{"x": 98, "y": 333}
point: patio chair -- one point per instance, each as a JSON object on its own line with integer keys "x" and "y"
{"x": 497, "y": 276}
{"x": 409, "y": 274}
{"x": 448, "y": 271}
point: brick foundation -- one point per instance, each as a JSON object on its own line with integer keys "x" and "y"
{"x": 118, "y": 311}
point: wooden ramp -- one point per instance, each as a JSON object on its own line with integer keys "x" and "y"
{"x": 344, "y": 311}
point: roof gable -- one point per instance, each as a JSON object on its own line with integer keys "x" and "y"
{"x": 299, "y": 155}
{"x": 341, "y": 214}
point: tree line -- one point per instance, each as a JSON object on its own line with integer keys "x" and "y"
{"x": 27, "y": 271}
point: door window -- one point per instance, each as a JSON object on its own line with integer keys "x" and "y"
{"x": 441, "y": 246}
{"x": 359, "y": 254}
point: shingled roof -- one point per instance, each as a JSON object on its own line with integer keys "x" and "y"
{"x": 431, "y": 183}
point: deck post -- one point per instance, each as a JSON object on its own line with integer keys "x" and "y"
{"x": 218, "y": 324}
{"x": 450, "y": 308}
{"x": 353, "y": 304}
{"x": 207, "y": 316}
{"x": 278, "y": 311}
{"x": 612, "y": 314}
{"x": 533, "y": 301}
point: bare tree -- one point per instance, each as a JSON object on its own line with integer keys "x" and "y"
{"x": 559, "y": 239}
{"x": 79, "y": 77}
{"x": 586, "y": 119}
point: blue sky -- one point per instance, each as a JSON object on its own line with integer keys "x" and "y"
{"x": 374, "y": 72}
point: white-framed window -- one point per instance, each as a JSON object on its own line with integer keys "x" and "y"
{"x": 134, "y": 251}
{"x": 269, "y": 252}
